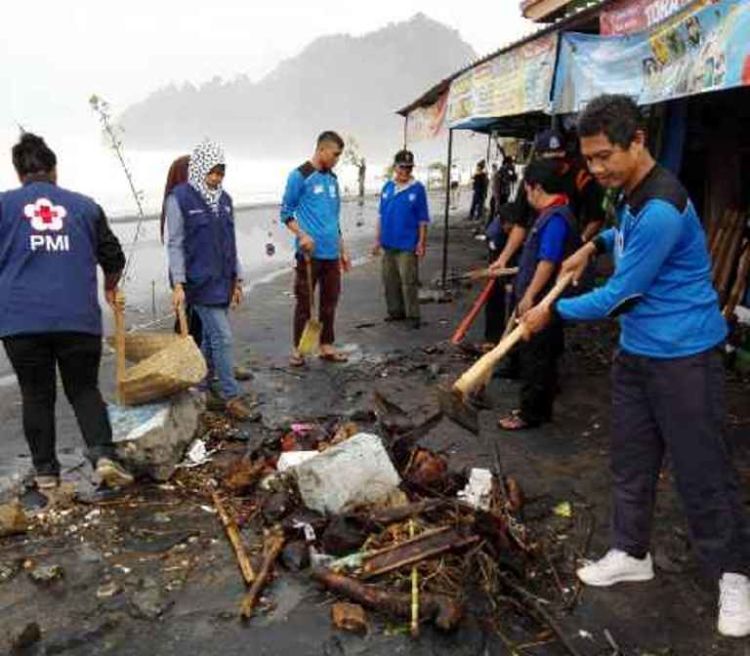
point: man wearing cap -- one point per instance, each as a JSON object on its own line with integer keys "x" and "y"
{"x": 585, "y": 196}
{"x": 402, "y": 236}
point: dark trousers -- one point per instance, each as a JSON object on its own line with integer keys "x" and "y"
{"x": 538, "y": 369}
{"x": 477, "y": 205}
{"x": 328, "y": 274}
{"x": 675, "y": 405}
{"x": 77, "y": 355}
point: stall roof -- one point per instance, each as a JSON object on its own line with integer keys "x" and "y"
{"x": 580, "y": 17}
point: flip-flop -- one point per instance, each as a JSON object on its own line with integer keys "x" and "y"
{"x": 513, "y": 422}
{"x": 336, "y": 356}
{"x": 296, "y": 360}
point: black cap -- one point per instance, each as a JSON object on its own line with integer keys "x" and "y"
{"x": 549, "y": 141}
{"x": 404, "y": 158}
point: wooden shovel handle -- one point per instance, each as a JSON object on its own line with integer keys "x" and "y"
{"x": 182, "y": 319}
{"x": 481, "y": 369}
{"x": 310, "y": 291}
{"x": 119, "y": 311}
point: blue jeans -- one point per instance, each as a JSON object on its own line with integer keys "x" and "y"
{"x": 217, "y": 347}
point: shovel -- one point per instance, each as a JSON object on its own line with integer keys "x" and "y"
{"x": 453, "y": 401}
{"x": 310, "y": 339}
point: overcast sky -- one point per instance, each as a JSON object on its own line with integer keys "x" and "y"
{"x": 56, "y": 53}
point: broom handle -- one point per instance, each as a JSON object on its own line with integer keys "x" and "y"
{"x": 479, "y": 371}
{"x": 119, "y": 310}
{"x": 476, "y": 308}
{"x": 310, "y": 291}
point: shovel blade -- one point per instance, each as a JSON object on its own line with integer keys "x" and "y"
{"x": 310, "y": 339}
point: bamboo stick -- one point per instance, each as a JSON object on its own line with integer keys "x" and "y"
{"x": 233, "y": 533}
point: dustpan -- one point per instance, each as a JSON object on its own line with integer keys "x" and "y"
{"x": 310, "y": 340}
{"x": 170, "y": 370}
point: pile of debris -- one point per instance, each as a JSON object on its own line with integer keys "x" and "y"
{"x": 386, "y": 528}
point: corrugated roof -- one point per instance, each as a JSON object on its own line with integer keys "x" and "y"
{"x": 431, "y": 95}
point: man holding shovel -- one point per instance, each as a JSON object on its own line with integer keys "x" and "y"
{"x": 667, "y": 379}
{"x": 311, "y": 211}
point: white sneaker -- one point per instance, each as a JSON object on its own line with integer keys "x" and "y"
{"x": 615, "y": 567}
{"x": 734, "y": 605}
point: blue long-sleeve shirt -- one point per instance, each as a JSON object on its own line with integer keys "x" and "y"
{"x": 661, "y": 287}
{"x": 312, "y": 198}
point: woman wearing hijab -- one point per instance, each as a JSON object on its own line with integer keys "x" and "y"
{"x": 203, "y": 264}
{"x": 178, "y": 174}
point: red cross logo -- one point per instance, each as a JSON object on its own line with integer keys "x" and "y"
{"x": 44, "y": 215}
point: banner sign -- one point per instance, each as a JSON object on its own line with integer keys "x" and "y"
{"x": 631, "y": 16}
{"x": 428, "y": 122}
{"x": 693, "y": 52}
{"x": 514, "y": 82}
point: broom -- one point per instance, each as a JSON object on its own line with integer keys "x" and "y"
{"x": 310, "y": 339}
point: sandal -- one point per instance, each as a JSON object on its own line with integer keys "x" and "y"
{"x": 334, "y": 356}
{"x": 513, "y": 422}
{"x": 296, "y": 360}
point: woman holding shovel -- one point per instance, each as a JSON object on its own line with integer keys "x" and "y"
{"x": 51, "y": 241}
{"x": 204, "y": 266}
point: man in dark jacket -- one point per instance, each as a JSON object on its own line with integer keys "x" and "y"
{"x": 51, "y": 241}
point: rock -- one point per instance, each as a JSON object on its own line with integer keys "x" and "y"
{"x": 349, "y": 617}
{"x": 46, "y": 574}
{"x": 13, "y": 519}
{"x": 355, "y": 472}
{"x": 29, "y": 635}
{"x": 295, "y": 556}
{"x": 277, "y": 506}
{"x": 343, "y": 536}
{"x": 6, "y": 573}
{"x": 151, "y": 439}
{"x": 107, "y": 590}
{"x": 148, "y": 602}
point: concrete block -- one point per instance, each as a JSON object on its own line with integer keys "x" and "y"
{"x": 354, "y": 472}
{"x": 152, "y": 439}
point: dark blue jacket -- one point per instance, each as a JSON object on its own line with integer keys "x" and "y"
{"x": 529, "y": 259}
{"x": 51, "y": 240}
{"x": 210, "y": 248}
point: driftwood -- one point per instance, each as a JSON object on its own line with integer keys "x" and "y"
{"x": 444, "y": 611}
{"x": 412, "y": 551}
{"x": 233, "y": 533}
{"x": 401, "y": 513}
{"x": 740, "y": 283}
{"x": 272, "y": 546}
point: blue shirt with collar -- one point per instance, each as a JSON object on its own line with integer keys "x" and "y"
{"x": 402, "y": 210}
{"x": 661, "y": 288}
{"x": 312, "y": 198}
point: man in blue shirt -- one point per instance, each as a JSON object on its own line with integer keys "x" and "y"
{"x": 668, "y": 378}
{"x": 311, "y": 211}
{"x": 402, "y": 235}
{"x": 551, "y": 237}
